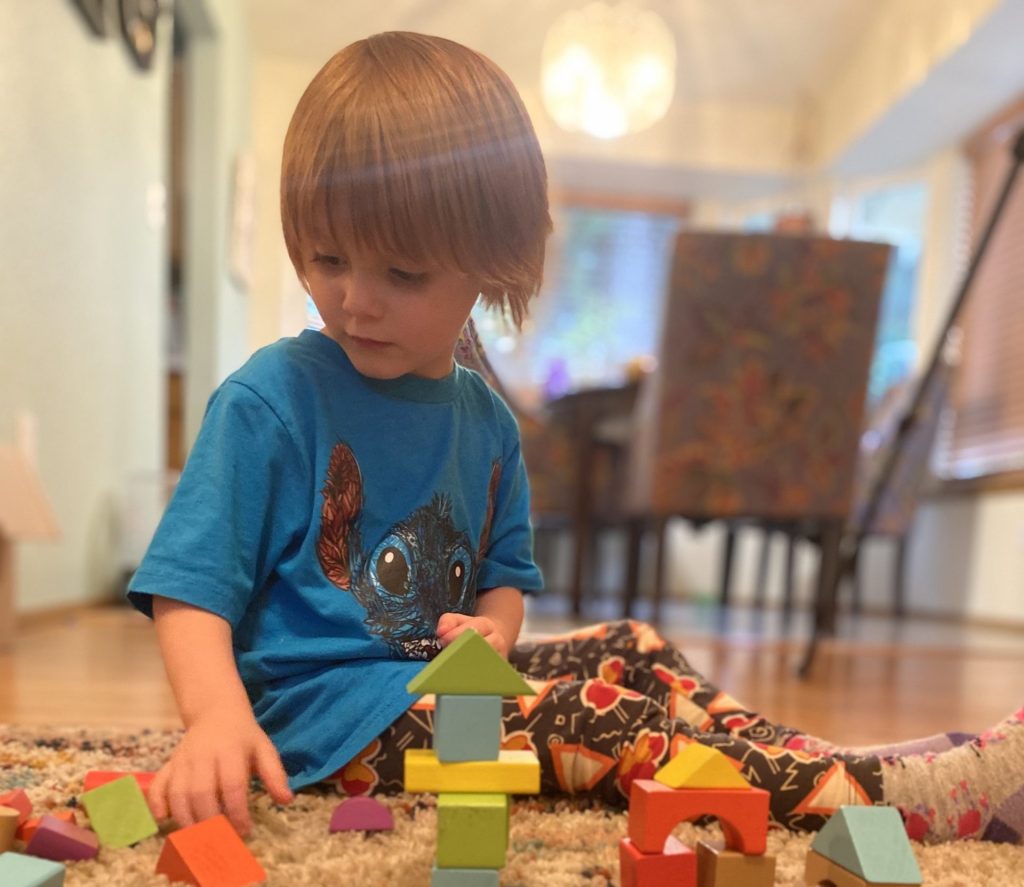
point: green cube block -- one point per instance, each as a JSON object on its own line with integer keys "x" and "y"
{"x": 467, "y": 728}
{"x": 19, "y": 870}
{"x": 472, "y": 830}
{"x": 118, "y": 813}
{"x": 463, "y": 877}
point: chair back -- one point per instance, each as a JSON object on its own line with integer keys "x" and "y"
{"x": 755, "y": 408}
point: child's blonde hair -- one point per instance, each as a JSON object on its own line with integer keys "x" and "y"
{"x": 417, "y": 148}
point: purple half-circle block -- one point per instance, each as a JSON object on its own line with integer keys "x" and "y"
{"x": 62, "y": 841}
{"x": 361, "y": 814}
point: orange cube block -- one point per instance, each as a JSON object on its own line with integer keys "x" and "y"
{"x": 96, "y": 778}
{"x": 209, "y": 854}
{"x": 656, "y": 809}
{"x": 675, "y": 865}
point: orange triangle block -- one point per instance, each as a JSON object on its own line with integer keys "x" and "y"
{"x": 209, "y": 854}
{"x": 700, "y": 766}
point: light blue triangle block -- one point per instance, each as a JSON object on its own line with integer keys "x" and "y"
{"x": 872, "y": 843}
{"x": 19, "y": 870}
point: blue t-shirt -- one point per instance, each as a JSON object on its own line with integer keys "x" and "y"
{"x": 331, "y": 519}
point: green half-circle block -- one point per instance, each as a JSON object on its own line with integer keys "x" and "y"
{"x": 469, "y": 666}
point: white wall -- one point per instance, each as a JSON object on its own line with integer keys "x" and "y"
{"x": 83, "y": 170}
{"x": 82, "y": 144}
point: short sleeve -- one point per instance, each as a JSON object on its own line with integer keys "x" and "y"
{"x": 242, "y": 500}
{"x": 508, "y": 559}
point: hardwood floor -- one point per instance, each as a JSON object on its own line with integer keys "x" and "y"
{"x": 101, "y": 668}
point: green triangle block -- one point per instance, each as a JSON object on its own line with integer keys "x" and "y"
{"x": 470, "y": 666}
{"x": 871, "y": 842}
{"x": 118, "y": 813}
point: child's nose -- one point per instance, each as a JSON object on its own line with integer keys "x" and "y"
{"x": 361, "y": 297}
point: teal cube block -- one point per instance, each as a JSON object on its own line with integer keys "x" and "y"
{"x": 472, "y": 830}
{"x": 19, "y": 870}
{"x": 463, "y": 877}
{"x": 467, "y": 728}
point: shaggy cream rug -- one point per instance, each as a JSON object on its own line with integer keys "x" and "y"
{"x": 553, "y": 842}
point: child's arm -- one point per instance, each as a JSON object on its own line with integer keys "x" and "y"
{"x": 498, "y": 618}
{"x": 209, "y": 771}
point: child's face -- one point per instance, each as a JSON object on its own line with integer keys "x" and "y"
{"x": 390, "y": 317}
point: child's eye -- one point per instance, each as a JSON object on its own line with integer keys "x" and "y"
{"x": 408, "y": 276}
{"x": 326, "y": 260}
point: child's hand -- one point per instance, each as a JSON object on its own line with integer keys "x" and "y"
{"x": 451, "y": 625}
{"x": 209, "y": 771}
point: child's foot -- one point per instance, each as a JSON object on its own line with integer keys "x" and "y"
{"x": 975, "y": 790}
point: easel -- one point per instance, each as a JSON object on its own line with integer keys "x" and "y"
{"x": 824, "y": 615}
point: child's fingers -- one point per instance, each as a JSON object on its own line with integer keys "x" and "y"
{"x": 156, "y": 796}
{"x": 448, "y": 622}
{"x": 271, "y": 772}
{"x": 233, "y": 775}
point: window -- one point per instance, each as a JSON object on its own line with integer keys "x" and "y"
{"x": 988, "y": 395}
{"x": 599, "y": 307}
{"x": 892, "y": 214}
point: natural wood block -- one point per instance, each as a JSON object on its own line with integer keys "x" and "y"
{"x": 514, "y": 773}
{"x": 209, "y": 854}
{"x": 700, "y": 766}
{"x": 676, "y": 864}
{"x": 463, "y": 877}
{"x": 28, "y": 828}
{"x": 361, "y": 813}
{"x": 8, "y": 827}
{"x": 718, "y": 867}
{"x": 467, "y": 728}
{"x": 96, "y": 778}
{"x": 118, "y": 812}
{"x": 819, "y": 870}
{"x": 472, "y": 830}
{"x": 19, "y": 801}
{"x": 470, "y": 666}
{"x": 60, "y": 841}
{"x": 19, "y": 870}
{"x": 656, "y": 809}
{"x": 871, "y": 843}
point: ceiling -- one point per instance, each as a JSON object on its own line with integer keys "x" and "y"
{"x": 767, "y": 51}
{"x": 741, "y": 57}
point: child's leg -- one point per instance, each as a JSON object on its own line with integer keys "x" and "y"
{"x": 633, "y": 655}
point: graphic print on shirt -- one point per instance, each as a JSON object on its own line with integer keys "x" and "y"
{"x": 423, "y": 567}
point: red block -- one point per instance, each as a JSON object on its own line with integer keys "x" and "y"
{"x": 675, "y": 865}
{"x": 209, "y": 854}
{"x": 656, "y": 809}
{"x": 20, "y": 802}
{"x": 96, "y": 778}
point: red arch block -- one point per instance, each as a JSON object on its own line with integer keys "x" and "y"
{"x": 656, "y": 809}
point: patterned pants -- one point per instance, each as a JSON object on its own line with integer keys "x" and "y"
{"x": 614, "y": 702}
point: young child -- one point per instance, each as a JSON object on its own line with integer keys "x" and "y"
{"x": 355, "y": 501}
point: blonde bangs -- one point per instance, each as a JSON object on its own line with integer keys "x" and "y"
{"x": 419, "y": 149}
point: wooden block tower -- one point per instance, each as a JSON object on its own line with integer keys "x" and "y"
{"x": 698, "y": 781}
{"x": 473, "y": 778}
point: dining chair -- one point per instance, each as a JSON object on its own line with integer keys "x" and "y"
{"x": 755, "y": 408}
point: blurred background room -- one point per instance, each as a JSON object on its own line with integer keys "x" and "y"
{"x": 745, "y": 411}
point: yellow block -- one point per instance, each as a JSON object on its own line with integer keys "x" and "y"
{"x": 514, "y": 773}
{"x": 700, "y": 766}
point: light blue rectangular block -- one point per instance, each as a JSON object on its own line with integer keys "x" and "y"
{"x": 463, "y": 877}
{"x": 467, "y": 728}
{"x": 19, "y": 870}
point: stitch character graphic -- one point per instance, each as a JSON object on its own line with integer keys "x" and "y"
{"x": 424, "y": 566}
